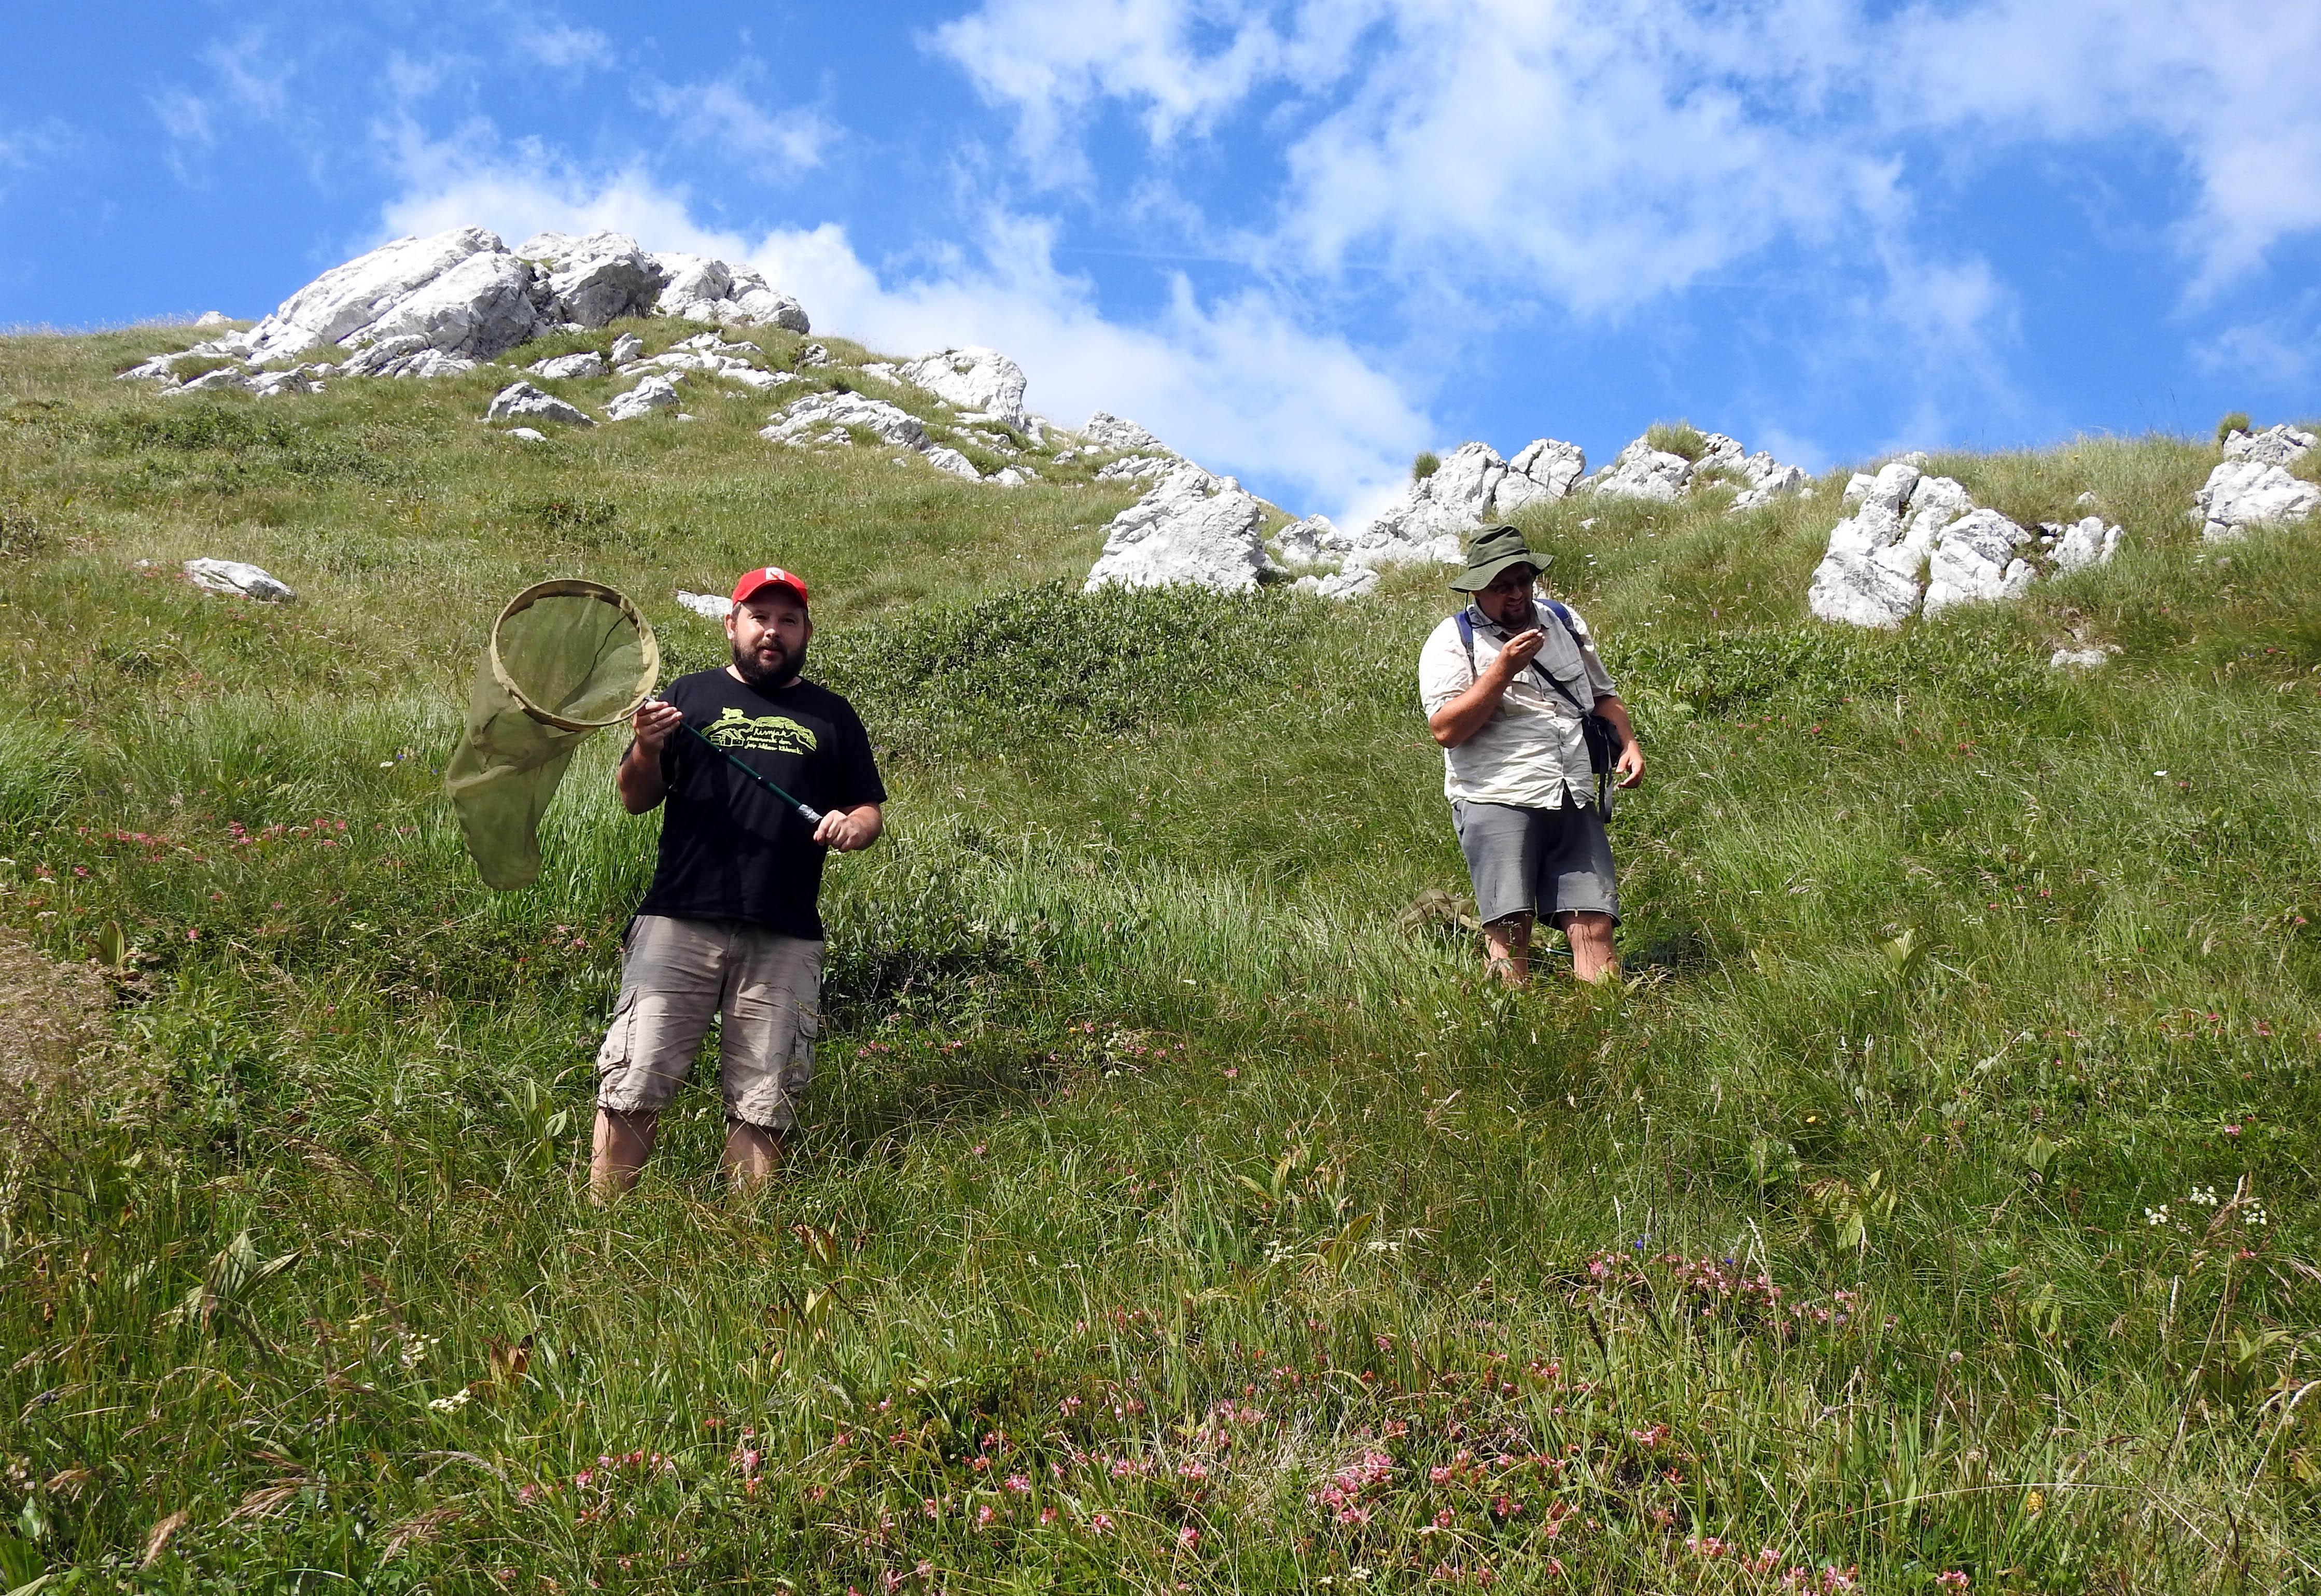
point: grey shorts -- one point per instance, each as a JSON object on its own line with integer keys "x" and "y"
{"x": 1539, "y": 861}
{"x": 678, "y": 975}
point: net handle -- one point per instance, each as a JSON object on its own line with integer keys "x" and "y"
{"x": 574, "y": 587}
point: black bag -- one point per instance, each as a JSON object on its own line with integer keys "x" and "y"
{"x": 1605, "y": 743}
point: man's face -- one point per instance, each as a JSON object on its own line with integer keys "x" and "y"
{"x": 1507, "y": 600}
{"x": 769, "y": 632}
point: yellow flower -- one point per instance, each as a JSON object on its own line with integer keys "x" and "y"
{"x": 2033, "y": 1505}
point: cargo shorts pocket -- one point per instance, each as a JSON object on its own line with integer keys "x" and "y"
{"x": 619, "y": 1045}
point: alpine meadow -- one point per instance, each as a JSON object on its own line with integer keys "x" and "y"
{"x": 1178, "y": 1207}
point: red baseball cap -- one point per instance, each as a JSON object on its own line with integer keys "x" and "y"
{"x": 768, "y": 575}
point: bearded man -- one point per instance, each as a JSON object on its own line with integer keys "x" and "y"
{"x": 1507, "y": 683}
{"x": 730, "y": 927}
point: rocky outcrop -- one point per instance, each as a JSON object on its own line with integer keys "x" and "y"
{"x": 234, "y": 577}
{"x": 2252, "y": 485}
{"x": 1303, "y": 542}
{"x": 650, "y": 394}
{"x": 1471, "y": 486}
{"x": 213, "y": 321}
{"x": 980, "y": 384}
{"x": 710, "y": 352}
{"x": 438, "y": 305}
{"x": 1543, "y": 471}
{"x": 1107, "y": 432}
{"x": 1646, "y": 471}
{"x": 1642, "y": 472}
{"x": 1909, "y": 525}
{"x": 1191, "y": 529}
{"x": 520, "y": 401}
{"x": 824, "y": 418}
{"x": 705, "y": 290}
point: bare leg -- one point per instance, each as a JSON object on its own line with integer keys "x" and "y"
{"x": 752, "y": 1155}
{"x": 624, "y": 1140}
{"x": 1507, "y": 943}
{"x": 1593, "y": 958}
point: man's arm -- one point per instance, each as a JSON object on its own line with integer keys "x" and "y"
{"x": 850, "y": 831}
{"x": 1632, "y": 752}
{"x": 639, "y": 779}
{"x": 1472, "y": 710}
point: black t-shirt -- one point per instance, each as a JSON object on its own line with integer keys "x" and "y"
{"x": 729, "y": 849}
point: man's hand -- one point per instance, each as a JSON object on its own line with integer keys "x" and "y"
{"x": 1632, "y": 763}
{"x": 1520, "y": 651}
{"x": 850, "y": 831}
{"x": 654, "y": 724}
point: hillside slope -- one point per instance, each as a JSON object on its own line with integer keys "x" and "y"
{"x": 1177, "y": 1207}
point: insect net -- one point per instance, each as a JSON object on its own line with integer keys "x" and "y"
{"x": 566, "y": 659}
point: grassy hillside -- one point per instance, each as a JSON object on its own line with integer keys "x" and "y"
{"x": 1176, "y": 1209}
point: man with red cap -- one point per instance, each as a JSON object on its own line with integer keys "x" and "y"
{"x": 730, "y": 927}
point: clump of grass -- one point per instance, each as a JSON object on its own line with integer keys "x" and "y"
{"x": 1681, "y": 439}
{"x": 2237, "y": 422}
{"x": 1424, "y": 464}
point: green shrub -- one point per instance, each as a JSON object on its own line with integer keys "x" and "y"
{"x": 1425, "y": 466}
{"x": 2237, "y": 422}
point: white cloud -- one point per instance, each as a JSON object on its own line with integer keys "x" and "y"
{"x": 721, "y": 116}
{"x": 563, "y": 46}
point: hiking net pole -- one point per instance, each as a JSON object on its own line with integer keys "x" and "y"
{"x": 806, "y": 812}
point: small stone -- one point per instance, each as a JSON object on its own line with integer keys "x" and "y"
{"x": 951, "y": 459}
{"x": 527, "y": 434}
{"x": 242, "y": 581}
{"x": 524, "y": 401}
{"x": 570, "y": 368}
{"x": 627, "y": 347}
{"x": 709, "y": 606}
{"x": 650, "y": 394}
{"x": 2077, "y": 659}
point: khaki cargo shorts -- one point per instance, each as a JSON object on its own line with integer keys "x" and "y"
{"x": 678, "y": 974}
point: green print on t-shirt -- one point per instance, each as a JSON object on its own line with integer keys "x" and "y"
{"x": 775, "y": 733}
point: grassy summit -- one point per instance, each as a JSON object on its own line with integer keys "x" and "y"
{"x": 1178, "y": 1209}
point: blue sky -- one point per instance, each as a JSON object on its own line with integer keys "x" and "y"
{"x": 1299, "y": 240}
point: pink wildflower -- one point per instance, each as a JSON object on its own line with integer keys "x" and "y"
{"x": 1101, "y": 1523}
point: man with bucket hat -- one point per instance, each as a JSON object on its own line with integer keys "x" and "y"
{"x": 1509, "y": 683}
{"x": 730, "y": 927}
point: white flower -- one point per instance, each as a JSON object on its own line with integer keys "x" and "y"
{"x": 453, "y": 1403}
{"x": 2157, "y": 1215}
{"x": 2204, "y": 1196}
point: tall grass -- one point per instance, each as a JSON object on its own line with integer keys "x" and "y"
{"x": 1172, "y": 1207}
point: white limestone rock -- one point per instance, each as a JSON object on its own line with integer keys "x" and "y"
{"x": 1302, "y": 542}
{"x": 1110, "y": 432}
{"x": 1138, "y": 468}
{"x": 214, "y": 320}
{"x": 2283, "y": 445}
{"x": 408, "y": 354}
{"x": 945, "y": 459}
{"x": 296, "y": 379}
{"x": 570, "y": 368}
{"x": 705, "y": 290}
{"x": 2250, "y": 492}
{"x": 1012, "y": 477}
{"x": 1643, "y": 472}
{"x": 1869, "y": 576}
{"x": 209, "y": 382}
{"x": 982, "y": 384}
{"x": 459, "y": 292}
{"x": 2082, "y": 659}
{"x": 1860, "y": 591}
{"x": 1974, "y": 562}
{"x": 598, "y": 276}
{"x": 1544, "y": 469}
{"x": 528, "y": 434}
{"x": 813, "y": 355}
{"x": 627, "y": 347}
{"x": 650, "y": 394}
{"x": 242, "y": 581}
{"x": 1356, "y": 582}
{"x": 2085, "y": 542}
{"x": 1192, "y": 528}
{"x": 820, "y": 414}
{"x": 709, "y": 607}
{"x": 520, "y": 401}
{"x": 1779, "y": 483}
{"x": 1456, "y": 497}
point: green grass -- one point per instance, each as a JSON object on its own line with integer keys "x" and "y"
{"x": 1170, "y": 1211}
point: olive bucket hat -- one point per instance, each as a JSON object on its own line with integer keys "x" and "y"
{"x": 1494, "y": 550}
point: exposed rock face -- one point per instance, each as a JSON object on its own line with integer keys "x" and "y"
{"x": 627, "y": 347}
{"x": 650, "y": 394}
{"x": 1544, "y": 469}
{"x": 2253, "y": 486}
{"x": 434, "y": 306}
{"x": 1192, "y": 528}
{"x": 214, "y": 320}
{"x": 709, "y": 352}
{"x": 2283, "y": 445}
{"x": 812, "y": 418}
{"x": 1772, "y": 481}
{"x": 981, "y": 384}
{"x": 520, "y": 401}
{"x": 593, "y": 279}
{"x": 1110, "y": 432}
{"x": 1907, "y": 524}
{"x": 1974, "y": 562}
{"x": 570, "y": 367}
{"x": 703, "y": 290}
{"x": 242, "y": 581}
{"x": 1137, "y": 468}
{"x": 1302, "y": 542}
{"x": 1643, "y": 472}
{"x": 946, "y": 459}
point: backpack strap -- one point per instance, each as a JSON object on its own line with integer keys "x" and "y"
{"x": 1467, "y": 637}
